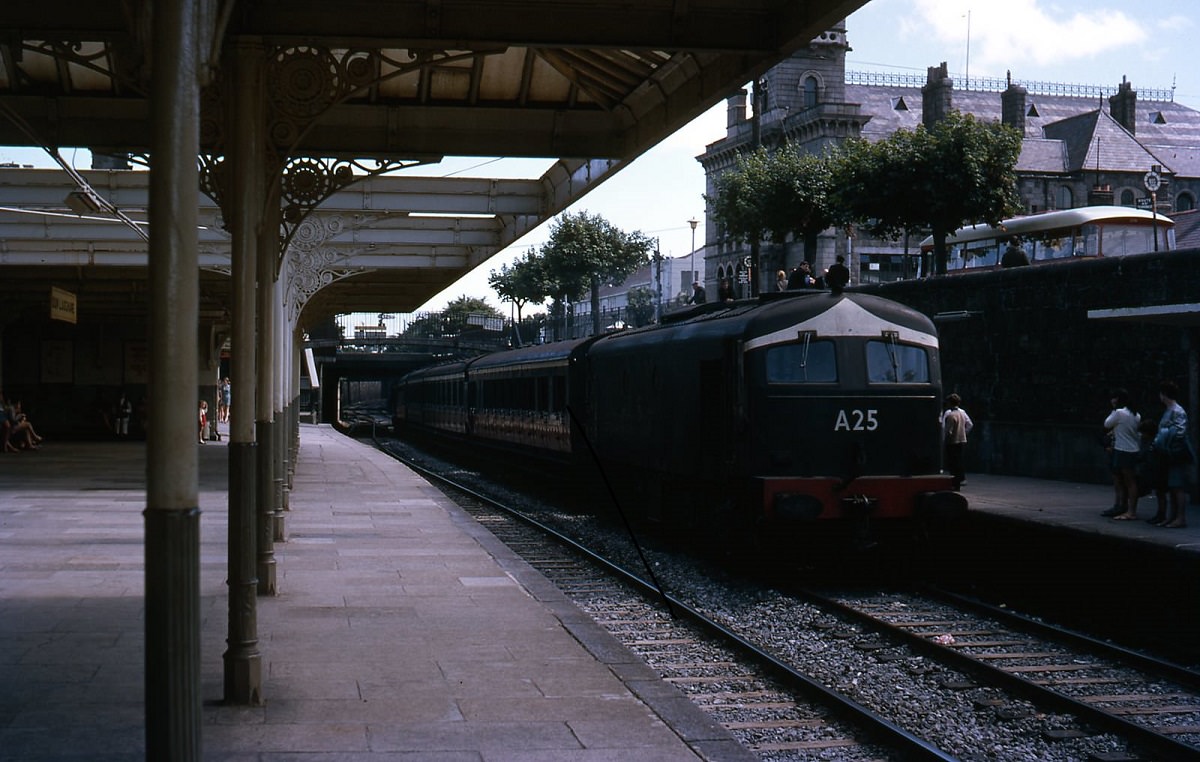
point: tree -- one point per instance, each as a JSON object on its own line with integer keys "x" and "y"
{"x": 585, "y": 251}
{"x": 451, "y": 320}
{"x": 639, "y": 308}
{"x": 778, "y": 194}
{"x": 957, "y": 172}
{"x": 522, "y": 283}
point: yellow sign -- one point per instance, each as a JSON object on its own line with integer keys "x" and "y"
{"x": 62, "y": 305}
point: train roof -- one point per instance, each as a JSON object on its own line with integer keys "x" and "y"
{"x": 1066, "y": 218}
{"x": 840, "y": 315}
{"x": 448, "y": 368}
{"x": 535, "y": 354}
{"x": 779, "y": 317}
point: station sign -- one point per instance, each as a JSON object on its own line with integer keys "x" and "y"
{"x": 62, "y": 305}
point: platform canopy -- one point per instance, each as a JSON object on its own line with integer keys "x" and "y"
{"x": 361, "y": 86}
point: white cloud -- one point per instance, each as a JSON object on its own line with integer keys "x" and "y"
{"x": 1175, "y": 23}
{"x": 1039, "y": 34}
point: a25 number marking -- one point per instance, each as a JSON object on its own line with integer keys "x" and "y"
{"x": 856, "y": 420}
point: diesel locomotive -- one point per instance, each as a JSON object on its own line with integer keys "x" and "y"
{"x": 796, "y": 409}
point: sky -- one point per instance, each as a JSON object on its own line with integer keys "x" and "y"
{"x": 1094, "y": 42}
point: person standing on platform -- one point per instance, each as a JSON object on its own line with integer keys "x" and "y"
{"x": 956, "y": 424}
{"x": 1126, "y": 447}
{"x": 224, "y": 400}
{"x": 838, "y": 275}
{"x": 121, "y": 415}
{"x": 203, "y": 421}
{"x": 1171, "y": 443}
{"x": 698, "y": 295}
{"x": 725, "y": 290}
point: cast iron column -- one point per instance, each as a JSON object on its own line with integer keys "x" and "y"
{"x": 268, "y": 252}
{"x": 172, "y": 516}
{"x": 244, "y": 194}
{"x": 279, "y": 375}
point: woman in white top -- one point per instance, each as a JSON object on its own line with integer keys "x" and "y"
{"x": 1127, "y": 445}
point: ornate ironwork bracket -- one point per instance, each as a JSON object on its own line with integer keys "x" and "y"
{"x": 306, "y": 182}
{"x": 311, "y": 265}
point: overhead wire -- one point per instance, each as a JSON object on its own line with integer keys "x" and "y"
{"x": 101, "y": 203}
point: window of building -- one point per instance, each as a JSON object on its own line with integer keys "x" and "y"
{"x": 1158, "y": 118}
{"x": 1066, "y": 199}
{"x": 1127, "y": 198}
{"x": 899, "y": 105}
{"x": 1184, "y": 202}
{"x": 810, "y": 91}
{"x": 1032, "y": 111}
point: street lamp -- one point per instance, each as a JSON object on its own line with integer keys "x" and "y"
{"x": 694, "y": 222}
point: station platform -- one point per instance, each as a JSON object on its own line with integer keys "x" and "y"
{"x": 402, "y": 629}
{"x": 1075, "y": 507}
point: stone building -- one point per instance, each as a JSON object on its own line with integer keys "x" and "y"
{"x": 1082, "y": 144}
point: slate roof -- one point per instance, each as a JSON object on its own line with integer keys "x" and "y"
{"x": 1187, "y": 229}
{"x": 1063, "y": 133}
{"x": 1094, "y": 140}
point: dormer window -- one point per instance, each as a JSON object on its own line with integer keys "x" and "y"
{"x": 1032, "y": 111}
{"x": 899, "y": 105}
{"x": 1158, "y": 118}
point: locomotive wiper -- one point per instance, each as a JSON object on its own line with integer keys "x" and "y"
{"x": 891, "y": 337}
{"x": 807, "y": 336}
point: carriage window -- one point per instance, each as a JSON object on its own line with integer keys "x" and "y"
{"x": 892, "y": 363}
{"x": 809, "y": 362}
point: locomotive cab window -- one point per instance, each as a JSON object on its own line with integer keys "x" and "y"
{"x": 809, "y": 362}
{"x": 889, "y": 362}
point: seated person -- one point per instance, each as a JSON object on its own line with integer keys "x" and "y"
{"x": 21, "y": 435}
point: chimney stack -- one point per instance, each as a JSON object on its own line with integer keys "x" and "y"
{"x": 936, "y": 95}
{"x": 1012, "y": 105}
{"x": 1123, "y": 106}
{"x": 735, "y": 110}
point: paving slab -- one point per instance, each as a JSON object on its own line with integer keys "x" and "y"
{"x": 401, "y": 629}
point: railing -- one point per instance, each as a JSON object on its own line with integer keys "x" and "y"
{"x": 461, "y": 334}
{"x": 998, "y": 85}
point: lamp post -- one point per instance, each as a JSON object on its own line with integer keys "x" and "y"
{"x": 694, "y": 222}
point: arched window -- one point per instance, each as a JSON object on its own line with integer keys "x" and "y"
{"x": 1127, "y": 197}
{"x": 1185, "y": 202}
{"x": 1066, "y": 199}
{"x": 810, "y": 91}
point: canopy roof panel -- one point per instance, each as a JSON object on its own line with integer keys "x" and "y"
{"x": 587, "y": 84}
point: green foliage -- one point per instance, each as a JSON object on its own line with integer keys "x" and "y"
{"x": 522, "y": 283}
{"x": 640, "y": 306}
{"x": 585, "y": 250}
{"x": 960, "y": 171}
{"x": 468, "y": 305}
{"x": 776, "y": 194}
{"x": 452, "y": 320}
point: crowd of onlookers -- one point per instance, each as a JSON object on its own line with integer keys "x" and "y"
{"x": 16, "y": 430}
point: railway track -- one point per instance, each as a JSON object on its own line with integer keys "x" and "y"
{"x": 831, "y": 675}
{"x": 1152, "y": 703}
{"x": 772, "y": 709}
